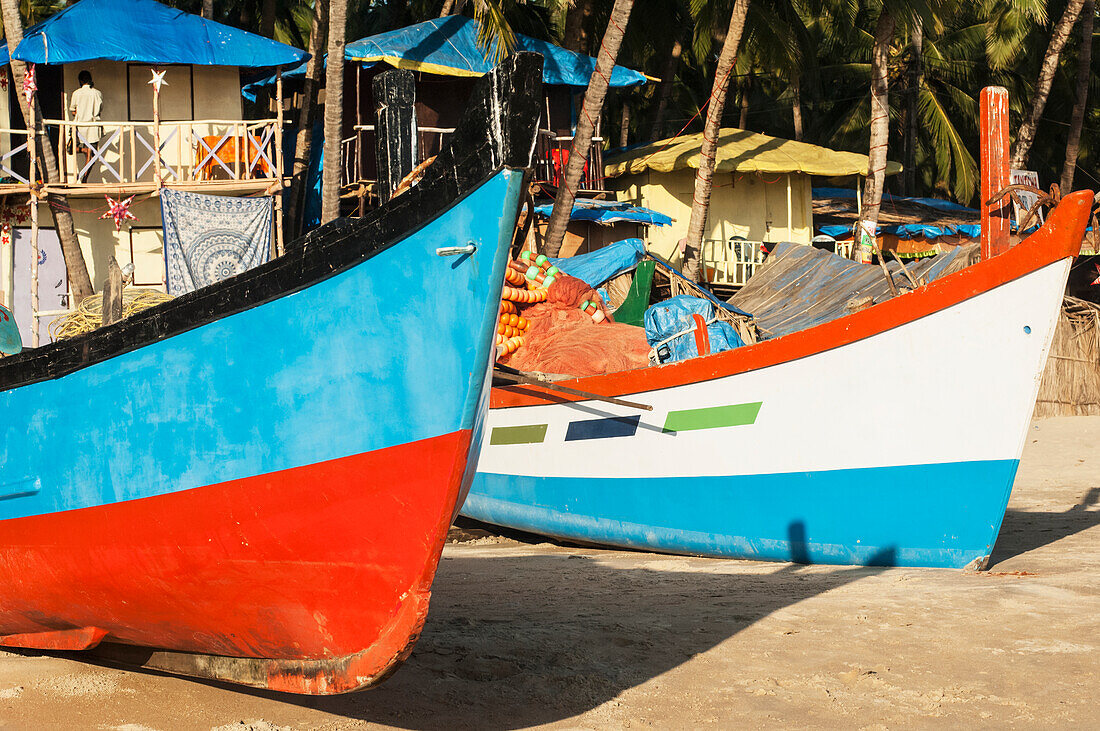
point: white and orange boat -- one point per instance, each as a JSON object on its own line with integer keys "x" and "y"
{"x": 792, "y": 449}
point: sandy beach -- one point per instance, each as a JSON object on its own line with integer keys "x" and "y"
{"x": 527, "y": 633}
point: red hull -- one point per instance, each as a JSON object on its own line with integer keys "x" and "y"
{"x": 317, "y": 577}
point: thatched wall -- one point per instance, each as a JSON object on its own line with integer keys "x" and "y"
{"x": 1071, "y": 381}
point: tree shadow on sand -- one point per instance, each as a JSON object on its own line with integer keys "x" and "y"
{"x": 1025, "y": 530}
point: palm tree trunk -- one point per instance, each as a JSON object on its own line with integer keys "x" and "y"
{"x": 1084, "y": 71}
{"x": 624, "y": 127}
{"x": 586, "y": 125}
{"x": 796, "y": 107}
{"x": 267, "y": 22}
{"x": 450, "y": 7}
{"x": 334, "y": 110}
{"x": 1058, "y": 37}
{"x": 916, "y": 78}
{"x": 664, "y": 93}
{"x": 575, "y": 36}
{"x": 208, "y": 9}
{"x": 700, "y": 203}
{"x": 880, "y": 132}
{"x": 746, "y": 89}
{"x": 303, "y": 142}
{"x": 79, "y": 281}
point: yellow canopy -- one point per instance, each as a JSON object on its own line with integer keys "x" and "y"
{"x": 742, "y": 151}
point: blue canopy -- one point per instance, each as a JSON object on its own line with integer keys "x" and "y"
{"x": 911, "y": 230}
{"x": 144, "y": 31}
{"x": 590, "y": 209}
{"x": 448, "y": 47}
{"x": 938, "y": 204}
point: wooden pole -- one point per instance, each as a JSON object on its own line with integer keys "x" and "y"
{"x": 395, "y": 128}
{"x": 32, "y": 150}
{"x": 279, "y": 162}
{"x": 112, "y": 293}
{"x": 993, "y": 133}
{"x": 156, "y": 82}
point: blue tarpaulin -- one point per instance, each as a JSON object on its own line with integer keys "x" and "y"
{"x": 910, "y": 230}
{"x": 936, "y": 203}
{"x": 144, "y": 31}
{"x": 590, "y": 209}
{"x": 448, "y": 47}
{"x": 670, "y": 328}
{"x": 603, "y": 264}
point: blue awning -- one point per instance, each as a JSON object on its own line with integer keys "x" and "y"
{"x": 590, "y": 209}
{"x": 910, "y": 230}
{"x": 144, "y": 31}
{"x": 448, "y": 47}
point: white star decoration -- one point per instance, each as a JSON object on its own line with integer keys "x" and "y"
{"x": 158, "y": 79}
{"x": 1096, "y": 282}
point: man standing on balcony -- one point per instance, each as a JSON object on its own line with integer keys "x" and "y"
{"x": 85, "y": 107}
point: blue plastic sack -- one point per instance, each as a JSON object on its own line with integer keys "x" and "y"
{"x": 665, "y": 320}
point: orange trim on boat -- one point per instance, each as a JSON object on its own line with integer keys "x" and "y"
{"x": 1059, "y": 238}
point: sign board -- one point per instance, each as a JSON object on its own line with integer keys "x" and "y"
{"x": 1025, "y": 177}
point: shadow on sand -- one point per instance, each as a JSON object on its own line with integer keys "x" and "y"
{"x": 1025, "y": 530}
{"x": 518, "y": 641}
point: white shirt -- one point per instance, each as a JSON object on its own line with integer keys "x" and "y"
{"x": 85, "y": 107}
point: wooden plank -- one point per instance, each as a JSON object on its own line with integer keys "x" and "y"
{"x": 993, "y": 136}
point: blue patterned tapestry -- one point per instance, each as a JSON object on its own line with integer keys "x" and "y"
{"x": 208, "y": 238}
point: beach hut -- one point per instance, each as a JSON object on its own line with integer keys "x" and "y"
{"x": 194, "y": 118}
{"x": 761, "y": 194}
{"x": 446, "y": 58}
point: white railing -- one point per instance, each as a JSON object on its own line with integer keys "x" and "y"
{"x": 360, "y": 152}
{"x": 731, "y": 262}
{"x": 188, "y": 151}
{"x": 15, "y": 165}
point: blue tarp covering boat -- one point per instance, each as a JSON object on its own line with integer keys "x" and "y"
{"x": 603, "y": 264}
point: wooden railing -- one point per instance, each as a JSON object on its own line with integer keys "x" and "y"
{"x": 731, "y": 262}
{"x": 551, "y": 155}
{"x": 192, "y": 151}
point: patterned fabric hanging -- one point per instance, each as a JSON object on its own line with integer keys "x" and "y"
{"x": 208, "y": 238}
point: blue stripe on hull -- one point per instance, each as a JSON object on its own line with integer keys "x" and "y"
{"x": 390, "y": 351}
{"x": 918, "y": 515}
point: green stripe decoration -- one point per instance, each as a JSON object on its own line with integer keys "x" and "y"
{"x": 528, "y": 434}
{"x": 712, "y": 417}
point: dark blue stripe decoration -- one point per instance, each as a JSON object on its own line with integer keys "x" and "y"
{"x": 615, "y": 426}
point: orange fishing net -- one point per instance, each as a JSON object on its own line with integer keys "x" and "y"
{"x": 562, "y": 338}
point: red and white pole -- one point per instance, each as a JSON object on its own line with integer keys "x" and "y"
{"x": 993, "y": 131}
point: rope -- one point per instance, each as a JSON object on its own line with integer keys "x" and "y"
{"x": 89, "y": 315}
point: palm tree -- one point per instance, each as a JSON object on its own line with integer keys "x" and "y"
{"x": 586, "y": 125}
{"x": 79, "y": 281}
{"x": 1058, "y": 37}
{"x": 1084, "y": 71}
{"x": 717, "y": 103}
{"x": 334, "y": 111}
{"x": 303, "y": 143}
{"x": 880, "y": 135}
